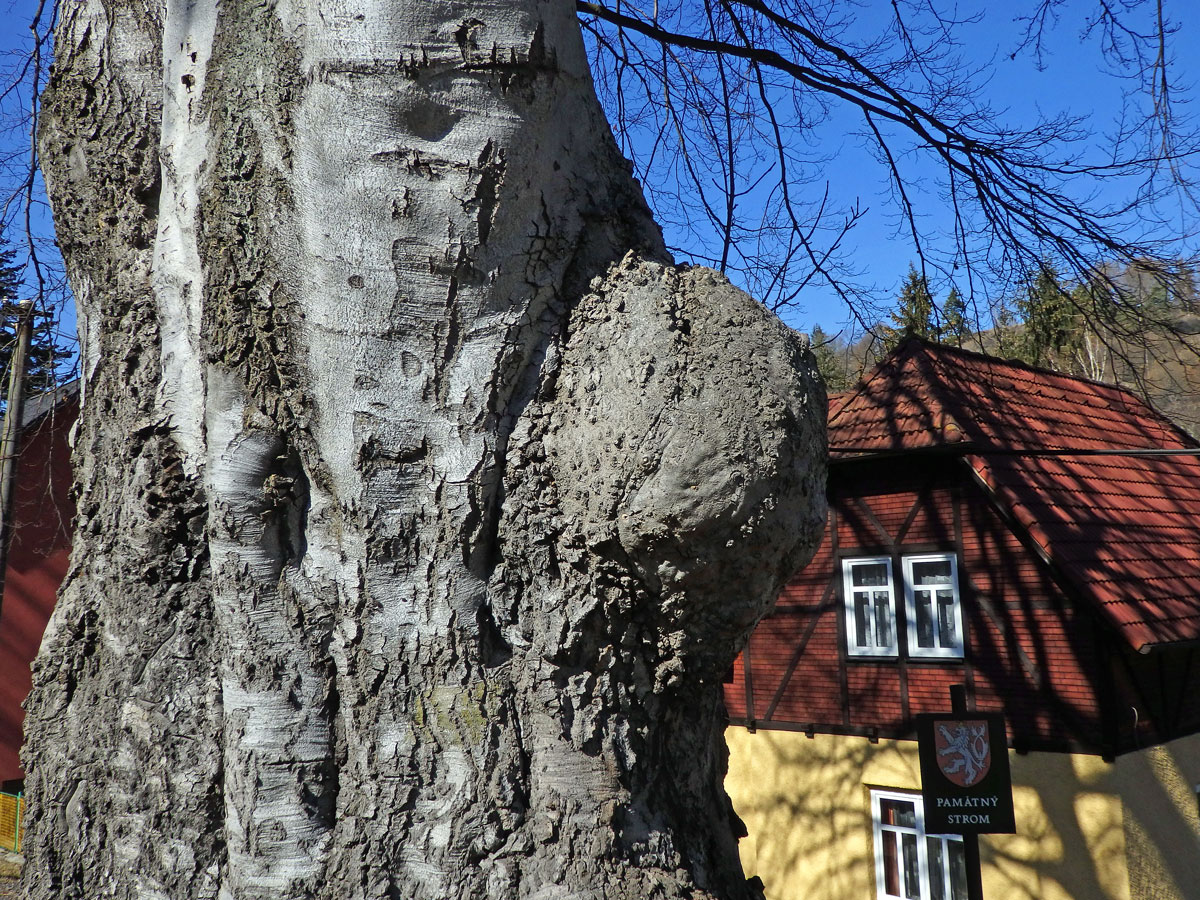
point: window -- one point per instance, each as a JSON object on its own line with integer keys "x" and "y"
{"x": 931, "y": 606}
{"x": 932, "y": 610}
{"x": 870, "y": 607}
{"x": 910, "y": 864}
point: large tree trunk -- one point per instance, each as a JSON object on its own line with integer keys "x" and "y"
{"x": 423, "y": 503}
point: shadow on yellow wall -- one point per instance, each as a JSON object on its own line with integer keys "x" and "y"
{"x": 1086, "y": 829}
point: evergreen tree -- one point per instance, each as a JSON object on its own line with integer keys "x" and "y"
{"x": 1051, "y": 331}
{"x": 830, "y": 363}
{"x": 914, "y": 311}
{"x": 44, "y": 352}
{"x": 954, "y": 317}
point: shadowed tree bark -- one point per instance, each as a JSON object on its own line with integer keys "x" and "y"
{"x": 423, "y": 502}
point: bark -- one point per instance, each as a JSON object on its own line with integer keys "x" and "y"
{"x": 423, "y": 502}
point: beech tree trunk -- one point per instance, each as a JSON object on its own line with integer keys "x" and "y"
{"x": 423, "y": 502}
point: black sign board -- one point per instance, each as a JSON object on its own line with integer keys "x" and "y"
{"x": 965, "y": 781}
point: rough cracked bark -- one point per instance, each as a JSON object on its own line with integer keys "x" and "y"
{"x": 423, "y": 502}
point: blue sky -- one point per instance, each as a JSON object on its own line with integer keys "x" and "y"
{"x": 15, "y": 16}
{"x": 1072, "y": 80}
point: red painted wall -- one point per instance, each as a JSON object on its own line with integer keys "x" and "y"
{"x": 37, "y": 563}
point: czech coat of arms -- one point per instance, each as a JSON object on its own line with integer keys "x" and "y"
{"x": 964, "y": 751}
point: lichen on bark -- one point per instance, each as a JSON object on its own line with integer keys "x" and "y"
{"x": 424, "y": 501}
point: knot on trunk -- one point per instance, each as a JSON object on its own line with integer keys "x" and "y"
{"x": 688, "y": 440}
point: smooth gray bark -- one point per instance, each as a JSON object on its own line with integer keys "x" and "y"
{"x": 423, "y": 502}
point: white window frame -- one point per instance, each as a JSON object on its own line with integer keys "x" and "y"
{"x": 921, "y": 839}
{"x": 851, "y": 613}
{"x": 941, "y": 648}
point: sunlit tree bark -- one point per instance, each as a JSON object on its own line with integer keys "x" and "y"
{"x": 423, "y": 502}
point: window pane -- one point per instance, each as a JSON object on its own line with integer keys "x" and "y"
{"x": 883, "y": 619}
{"x": 870, "y": 575}
{"x": 891, "y": 865}
{"x": 936, "y": 571}
{"x": 937, "y": 886}
{"x": 912, "y": 867}
{"x": 862, "y": 619}
{"x": 958, "y": 869}
{"x": 924, "y": 618}
{"x": 898, "y": 812}
{"x": 947, "y": 633}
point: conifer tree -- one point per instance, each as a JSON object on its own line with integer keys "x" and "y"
{"x": 1050, "y": 333}
{"x": 44, "y": 353}
{"x": 954, "y": 317}
{"x": 830, "y": 364}
{"x": 914, "y": 311}
{"x": 1184, "y": 287}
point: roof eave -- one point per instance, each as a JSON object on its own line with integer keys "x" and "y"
{"x": 1159, "y": 646}
{"x": 857, "y": 454}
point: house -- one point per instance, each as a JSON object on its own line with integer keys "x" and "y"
{"x": 1036, "y": 538}
{"x": 37, "y": 557}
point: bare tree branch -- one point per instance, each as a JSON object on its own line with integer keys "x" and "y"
{"x": 1017, "y": 195}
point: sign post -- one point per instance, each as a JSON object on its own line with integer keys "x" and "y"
{"x": 966, "y": 785}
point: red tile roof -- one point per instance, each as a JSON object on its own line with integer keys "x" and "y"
{"x": 1067, "y": 459}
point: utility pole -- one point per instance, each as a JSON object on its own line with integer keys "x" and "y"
{"x": 958, "y": 704}
{"x": 10, "y": 437}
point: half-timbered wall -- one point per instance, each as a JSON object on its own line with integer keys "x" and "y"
{"x": 1030, "y": 651}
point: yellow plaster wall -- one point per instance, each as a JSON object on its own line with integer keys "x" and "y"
{"x": 1161, "y": 820}
{"x": 1087, "y": 830}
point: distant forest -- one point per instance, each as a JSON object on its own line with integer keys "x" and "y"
{"x": 1148, "y": 342}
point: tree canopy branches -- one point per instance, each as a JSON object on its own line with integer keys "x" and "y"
{"x": 732, "y": 111}
{"x": 720, "y": 103}
{"x": 32, "y": 267}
